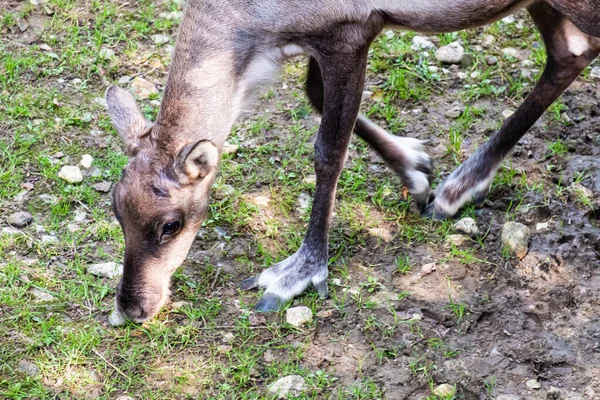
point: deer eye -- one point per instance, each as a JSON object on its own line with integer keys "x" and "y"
{"x": 170, "y": 227}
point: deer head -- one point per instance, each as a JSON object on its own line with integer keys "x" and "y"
{"x": 160, "y": 202}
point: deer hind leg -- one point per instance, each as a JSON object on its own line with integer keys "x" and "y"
{"x": 569, "y": 52}
{"x": 404, "y": 155}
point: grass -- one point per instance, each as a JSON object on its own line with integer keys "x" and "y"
{"x": 209, "y": 344}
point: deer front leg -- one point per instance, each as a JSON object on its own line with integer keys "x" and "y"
{"x": 343, "y": 78}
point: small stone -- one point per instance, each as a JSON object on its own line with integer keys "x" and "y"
{"x": 80, "y": 215}
{"x": 516, "y": 53}
{"x": 49, "y": 239}
{"x": 310, "y": 179}
{"x": 20, "y": 219}
{"x": 160, "y": 39}
{"x": 28, "y": 368}
{"x": 507, "y": 113}
{"x": 515, "y": 237}
{"x": 71, "y": 174}
{"x": 106, "y": 54}
{"x": 101, "y": 101}
{"x": 451, "y": 54}
{"x": 298, "y": 316}
{"x": 142, "y": 88}
{"x": 124, "y": 398}
{"x": 86, "y": 161}
{"x": 229, "y": 148}
{"x": 381, "y": 233}
{"x": 428, "y": 268}
{"x": 542, "y": 226}
{"x": 467, "y": 226}
{"x": 456, "y": 240}
{"x": 527, "y": 64}
{"x": 10, "y": 231}
{"x": 269, "y": 357}
{"x": 171, "y": 16}
{"x": 488, "y": 40}
{"x": 444, "y": 390}
{"x": 533, "y": 384}
{"x": 224, "y": 348}
{"x": 103, "y": 186}
{"x": 508, "y": 397}
{"x": 176, "y": 305}
{"x": 595, "y": 73}
{"x": 454, "y": 112}
{"x": 467, "y": 61}
{"x": 336, "y": 281}
{"x": 106, "y": 270}
{"x": 495, "y": 352}
{"x": 221, "y": 232}
{"x": 325, "y": 314}
{"x": 261, "y": 201}
{"x": 422, "y": 43}
{"x": 509, "y": 19}
{"x": 228, "y": 337}
{"x": 42, "y": 296}
{"x": 292, "y": 385}
{"x": 95, "y": 172}
{"x": 124, "y": 80}
{"x": 303, "y": 203}
{"x": 491, "y": 60}
{"x": 116, "y": 318}
{"x": 526, "y": 73}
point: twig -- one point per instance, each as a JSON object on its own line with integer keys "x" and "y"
{"x": 111, "y": 364}
{"x": 215, "y": 280}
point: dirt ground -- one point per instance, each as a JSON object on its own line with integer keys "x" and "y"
{"x": 408, "y": 311}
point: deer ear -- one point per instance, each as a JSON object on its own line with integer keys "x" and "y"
{"x": 198, "y": 160}
{"x": 126, "y": 116}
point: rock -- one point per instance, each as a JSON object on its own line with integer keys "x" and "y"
{"x": 124, "y": 398}
{"x": 142, "y": 89}
{"x": 595, "y": 73}
{"x": 467, "y": 226}
{"x": 533, "y": 384}
{"x": 42, "y": 296}
{"x": 224, "y": 348}
{"x": 515, "y": 237}
{"x": 292, "y": 385}
{"x": 444, "y": 390}
{"x": 106, "y": 54}
{"x": 103, "y": 186}
{"x": 9, "y": 230}
{"x": 28, "y": 368}
{"x": 508, "y": 397}
{"x": 451, "y": 54}
{"x": 95, "y": 172}
{"x": 422, "y": 43}
{"x": 221, "y": 232}
{"x": 106, "y": 270}
{"x": 71, "y": 174}
{"x": 326, "y": 313}
{"x": 160, "y": 39}
{"x": 176, "y": 305}
{"x": 491, "y": 60}
{"x": 540, "y": 226}
{"x": 20, "y": 219}
{"x": 428, "y": 268}
{"x": 49, "y": 239}
{"x": 86, "y": 161}
{"x": 80, "y": 215}
{"x": 229, "y": 148}
{"x": 507, "y": 113}
{"x": 310, "y": 179}
{"x": 298, "y": 316}
{"x": 116, "y": 318}
{"x": 303, "y": 203}
{"x": 381, "y": 233}
{"x": 124, "y": 80}
{"x": 509, "y": 19}
{"x": 456, "y": 240}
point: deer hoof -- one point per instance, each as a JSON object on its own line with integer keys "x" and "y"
{"x": 269, "y": 302}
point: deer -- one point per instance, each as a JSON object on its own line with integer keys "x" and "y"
{"x": 227, "y": 49}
